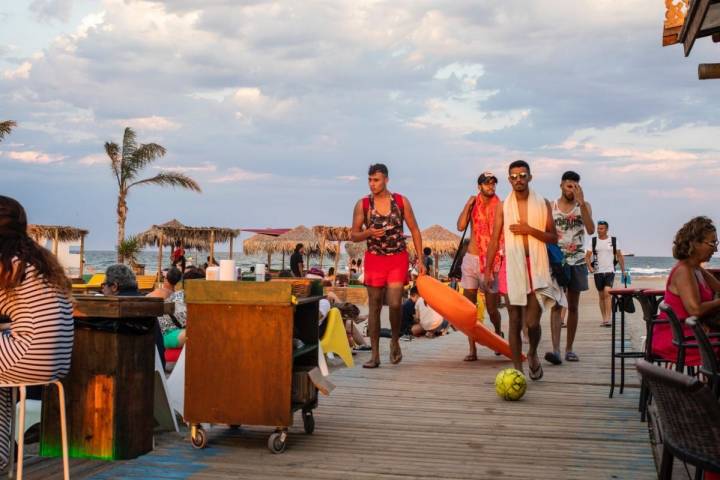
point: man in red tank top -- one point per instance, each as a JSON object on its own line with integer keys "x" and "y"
{"x": 378, "y": 219}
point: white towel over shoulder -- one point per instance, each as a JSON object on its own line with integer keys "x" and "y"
{"x": 518, "y": 282}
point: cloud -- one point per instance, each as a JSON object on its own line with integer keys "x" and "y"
{"x": 234, "y": 175}
{"x": 33, "y": 156}
{"x": 50, "y": 10}
{"x": 94, "y": 159}
{"x": 204, "y": 168}
{"x": 153, "y": 123}
{"x": 21, "y": 72}
{"x": 348, "y": 178}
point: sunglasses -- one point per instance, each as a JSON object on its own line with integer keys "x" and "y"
{"x": 521, "y": 176}
{"x": 713, "y": 244}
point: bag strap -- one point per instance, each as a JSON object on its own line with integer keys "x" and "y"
{"x": 400, "y": 203}
{"x": 462, "y": 239}
{"x": 594, "y": 246}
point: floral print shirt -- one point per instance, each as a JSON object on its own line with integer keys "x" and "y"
{"x": 571, "y": 233}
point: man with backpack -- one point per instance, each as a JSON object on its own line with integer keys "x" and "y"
{"x": 601, "y": 261}
{"x": 573, "y": 217}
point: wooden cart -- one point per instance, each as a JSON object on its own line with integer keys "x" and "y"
{"x": 244, "y": 364}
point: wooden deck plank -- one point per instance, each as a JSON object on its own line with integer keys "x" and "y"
{"x": 432, "y": 416}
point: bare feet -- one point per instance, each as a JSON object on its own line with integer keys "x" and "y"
{"x": 395, "y": 352}
{"x": 471, "y": 357}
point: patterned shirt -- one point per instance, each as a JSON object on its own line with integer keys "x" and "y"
{"x": 571, "y": 233}
{"x": 393, "y": 241}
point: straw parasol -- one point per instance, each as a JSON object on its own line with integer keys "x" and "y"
{"x": 356, "y": 249}
{"x": 261, "y": 244}
{"x": 332, "y": 234}
{"x": 193, "y": 237}
{"x": 286, "y": 242}
{"x": 442, "y": 241}
{"x": 60, "y": 233}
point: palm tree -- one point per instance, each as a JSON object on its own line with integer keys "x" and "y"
{"x": 6, "y": 127}
{"x": 126, "y": 165}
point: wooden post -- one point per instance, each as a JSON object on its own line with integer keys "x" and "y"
{"x": 231, "y": 247}
{"x": 159, "y": 268}
{"x": 55, "y": 242}
{"x": 708, "y": 71}
{"x": 283, "y": 260}
{"x": 212, "y": 246}
{"x": 322, "y": 251}
{"x": 269, "y": 262}
{"x": 437, "y": 266}
{"x": 82, "y": 255}
{"x": 337, "y": 259}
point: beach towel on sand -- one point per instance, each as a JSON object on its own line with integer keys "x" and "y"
{"x": 519, "y": 283}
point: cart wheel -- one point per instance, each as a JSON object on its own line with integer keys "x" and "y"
{"x": 199, "y": 438}
{"x": 276, "y": 443}
{"x": 308, "y": 421}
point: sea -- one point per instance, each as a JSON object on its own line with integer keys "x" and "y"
{"x": 99, "y": 260}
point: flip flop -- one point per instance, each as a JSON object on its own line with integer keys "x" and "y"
{"x": 395, "y": 353}
{"x": 553, "y": 357}
{"x": 606, "y": 324}
{"x": 571, "y": 357}
{"x": 371, "y": 364}
{"x": 470, "y": 358}
{"x": 537, "y": 373}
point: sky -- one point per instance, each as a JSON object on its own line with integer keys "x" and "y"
{"x": 278, "y": 108}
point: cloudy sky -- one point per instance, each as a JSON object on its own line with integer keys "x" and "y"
{"x": 277, "y": 108}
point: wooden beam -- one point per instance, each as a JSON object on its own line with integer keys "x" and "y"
{"x": 160, "y": 249}
{"x": 82, "y": 255}
{"x": 212, "y": 246}
{"x": 708, "y": 71}
{"x": 693, "y": 22}
{"x": 231, "y": 247}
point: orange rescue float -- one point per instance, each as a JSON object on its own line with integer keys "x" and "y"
{"x": 461, "y": 313}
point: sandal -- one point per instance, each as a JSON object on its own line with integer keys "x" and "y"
{"x": 571, "y": 357}
{"x": 395, "y": 353}
{"x": 606, "y": 324}
{"x": 371, "y": 364}
{"x": 470, "y": 358}
{"x": 362, "y": 348}
{"x": 536, "y": 373}
{"x": 553, "y": 357}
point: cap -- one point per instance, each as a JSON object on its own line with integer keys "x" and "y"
{"x": 603, "y": 222}
{"x": 485, "y": 177}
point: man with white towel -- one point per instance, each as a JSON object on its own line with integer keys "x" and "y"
{"x": 525, "y": 220}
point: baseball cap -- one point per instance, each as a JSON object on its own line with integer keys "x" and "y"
{"x": 603, "y": 222}
{"x": 485, "y": 177}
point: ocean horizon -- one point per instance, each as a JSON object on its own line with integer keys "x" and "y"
{"x": 99, "y": 260}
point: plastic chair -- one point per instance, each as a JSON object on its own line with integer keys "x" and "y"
{"x": 689, "y": 417}
{"x": 335, "y": 338}
{"x": 21, "y": 438}
{"x": 710, "y": 367}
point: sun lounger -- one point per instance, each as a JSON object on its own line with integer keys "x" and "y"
{"x": 94, "y": 283}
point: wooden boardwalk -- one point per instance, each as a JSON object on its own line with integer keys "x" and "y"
{"x": 432, "y": 416}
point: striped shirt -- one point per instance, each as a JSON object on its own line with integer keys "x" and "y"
{"x": 38, "y": 343}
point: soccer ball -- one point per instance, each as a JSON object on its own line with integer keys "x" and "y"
{"x": 510, "y": 384}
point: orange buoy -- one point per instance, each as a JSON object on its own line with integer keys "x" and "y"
{"x": 461, "y": 313}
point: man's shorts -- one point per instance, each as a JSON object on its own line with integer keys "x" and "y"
{"x": 603, "y": 280}
{"x": 578, "y": 278}
{"x": 473, "y": 277}
{"x": 380, "y": 270}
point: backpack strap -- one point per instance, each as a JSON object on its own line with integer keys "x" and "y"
{"x": 400, "y": 203}
{"x": 613, "y": 240}
{"x": 594, "y": 246}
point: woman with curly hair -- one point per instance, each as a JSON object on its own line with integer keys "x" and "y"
{"x": 690, "y": 289}
{"x": 36, "y": 344}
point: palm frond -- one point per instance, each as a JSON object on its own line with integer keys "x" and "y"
{"x": 128, "y": 149}
{"x": 144, "y": 155}
{"x": 113, "y": 151}
{"x": 170, "y": 179}
{"x": 6, "y": 127}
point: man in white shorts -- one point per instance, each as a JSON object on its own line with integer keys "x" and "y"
{"x": 480, "y": 210}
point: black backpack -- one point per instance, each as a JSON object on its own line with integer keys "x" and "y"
{"x": 613, "y": 240}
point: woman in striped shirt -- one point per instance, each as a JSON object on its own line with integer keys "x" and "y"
{"x": 36, "y": 344}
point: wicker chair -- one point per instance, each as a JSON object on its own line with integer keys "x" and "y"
{"x": 710, "y": 367}
{"x": 689, "y": 416}
{"x": 649, "y": 300}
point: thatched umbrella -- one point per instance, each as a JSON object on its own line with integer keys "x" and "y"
{"x": 286, "y": 242}
{"x": 356, "y": 249}
{"x": 442, "y": 241}
{"x": 332, "y": 234}
{"x": 59, "y": 233}
{"x": 261, "y": 244}
{"x": 193, "y": 237}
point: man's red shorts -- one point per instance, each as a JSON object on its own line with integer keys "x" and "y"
{"x": 380, "y": 270}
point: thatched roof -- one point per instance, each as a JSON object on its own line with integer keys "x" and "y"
{"x": 64, "y": 233}
{"x": 259, "y": 244}
{"x": 356, "y": 250}
{"x": 333, "y": 234}
{"x": 192, "y": 237}
{"x": 441, "y": 240}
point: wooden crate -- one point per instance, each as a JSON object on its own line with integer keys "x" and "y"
{"x": 301, "y": 287}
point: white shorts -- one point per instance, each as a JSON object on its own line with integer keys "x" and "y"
{"x": 473, "y": 277}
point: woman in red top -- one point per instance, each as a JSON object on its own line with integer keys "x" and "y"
{"x": 690, "y": 288}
